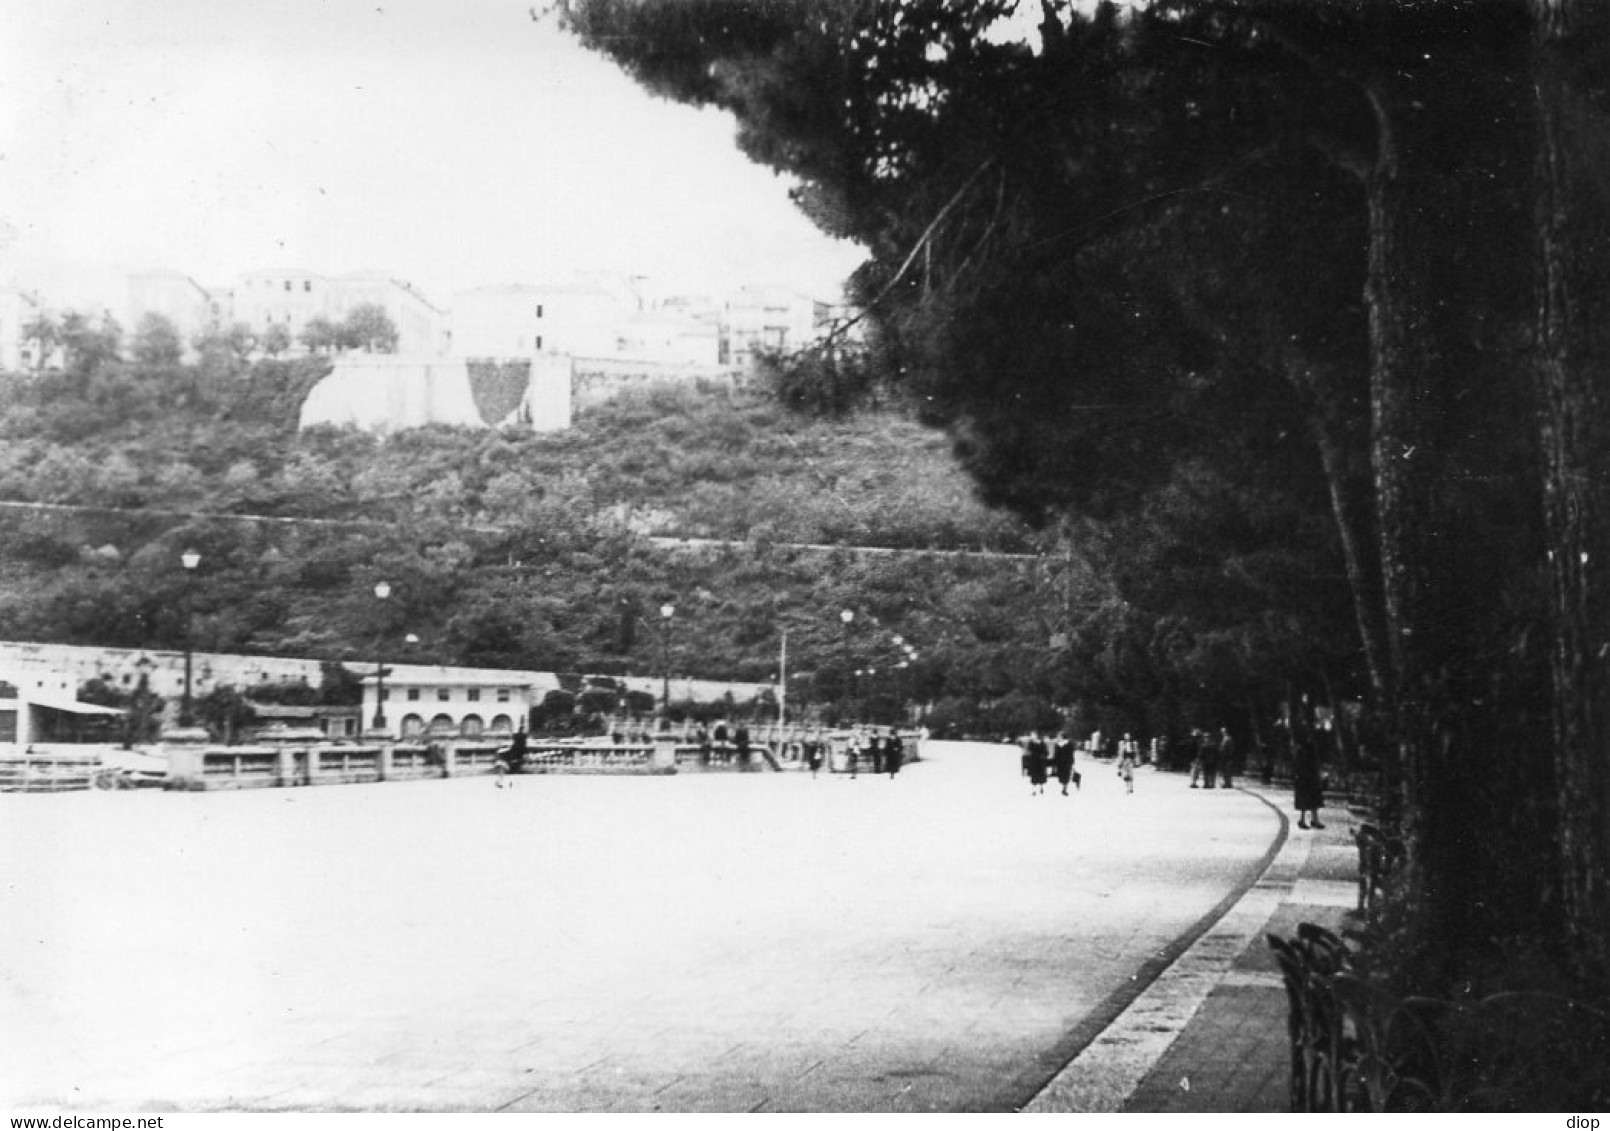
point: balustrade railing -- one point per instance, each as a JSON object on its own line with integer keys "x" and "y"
{"x": 551, "y": 757}
{"x": 48, "y": 772}
{"x": 1358, "y": 1047}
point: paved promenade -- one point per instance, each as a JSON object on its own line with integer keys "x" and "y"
{"x": 943, "y": 941}
{"x": 1209, "y": 1034}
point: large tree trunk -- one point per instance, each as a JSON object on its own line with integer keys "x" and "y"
{"x": 1410, "y": 387}
{"x": 1573, "y": 232}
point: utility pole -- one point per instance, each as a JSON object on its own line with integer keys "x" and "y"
{"x": 782, "y": 690}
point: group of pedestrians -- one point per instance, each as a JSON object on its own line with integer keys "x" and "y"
{"x": 1214, "y": 759}
{"x": 722, "y": 743}
{"x": 881, "y": 748}
{"x": 1042, "y": 758}
{"x": 1215, "y": 762}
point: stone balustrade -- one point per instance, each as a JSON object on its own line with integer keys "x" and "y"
{"x": 200, "y": 766}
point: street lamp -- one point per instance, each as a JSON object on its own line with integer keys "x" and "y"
{"x": 848, "y": 617}
{"x": 190, "y": 560}
{"x": 382, "y": 591}
{"x": 900, "y": 691}
{"x": 667, "y": 611}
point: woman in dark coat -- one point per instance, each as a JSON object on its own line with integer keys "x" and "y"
{"x": 1308, "y": 790}
{"x": 1034, "y": 760}
{"x": 1062, "y": 760}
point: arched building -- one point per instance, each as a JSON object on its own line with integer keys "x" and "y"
{"x": 423, "y": 702}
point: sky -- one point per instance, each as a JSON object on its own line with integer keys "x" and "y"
{"x": 455, "y": 143}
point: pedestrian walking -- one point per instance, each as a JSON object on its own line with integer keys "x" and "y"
{"x": 740, "y": 741}
{"x": 878, "y": 752}
{"x": 813, "y": 752}
{"x": 853, "y": 752}
{"x": 1062, "y": 762}
{"x": 1128, "y": 745}
{"x": 894, "y": 754}
{"x": 1227, "y": 758}
{"x": 1035, "y": 758}
{"x": 1307, "y": 788}
{"x": 1126, "y": 766}
{"x": 1195, "y": 740}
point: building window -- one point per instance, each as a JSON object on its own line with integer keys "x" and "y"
{"x": 471, "y": 726}
{"x": 443, "y": 695}
{"x": 537, "y": 343}
{"x": 287, "y": 286}
{"x": 307, "y": 286}
{"x": 539, "y": 310}
{"x": 503, "y": 695}
{"x": 474, "y": 695}
{"x": 413, "y": 694}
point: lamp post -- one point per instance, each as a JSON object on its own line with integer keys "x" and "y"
{"x": 848, "y": 617}
{"x": 900, "y": 692}
{"x": 912, "y": 656}
{"x": 382, "y": 591}
{"x": 782, "y": 683}
{"x": 190, "y": 560}
{"x": 667, "y": 611}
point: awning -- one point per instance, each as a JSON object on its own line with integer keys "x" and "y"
{"x": 72, "y": 706}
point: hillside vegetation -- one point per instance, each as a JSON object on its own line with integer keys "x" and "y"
{"x": 511, "y": 549}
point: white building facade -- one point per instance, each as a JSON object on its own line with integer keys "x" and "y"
{"x": 582, "y": 320}
{"x": 17, "y": 309}
{"x": 189, "y": 306}
{"x": 293, "y": 297}
{"x": 761, "y": 319}
{"x": 437, "y": 702}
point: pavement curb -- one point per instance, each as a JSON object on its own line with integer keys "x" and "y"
{"x": 1109, "y": 1069}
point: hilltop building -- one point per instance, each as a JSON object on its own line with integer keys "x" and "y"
{"x": 294, "y": 297}
{"x": 501, "y": 322}
{"x": 288, "y": 297}
{"x": 526, "y": 355}
{"x": 191, "y": 307}
{"x": 760, "y": 319}
{"x": 17, "y": 309}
